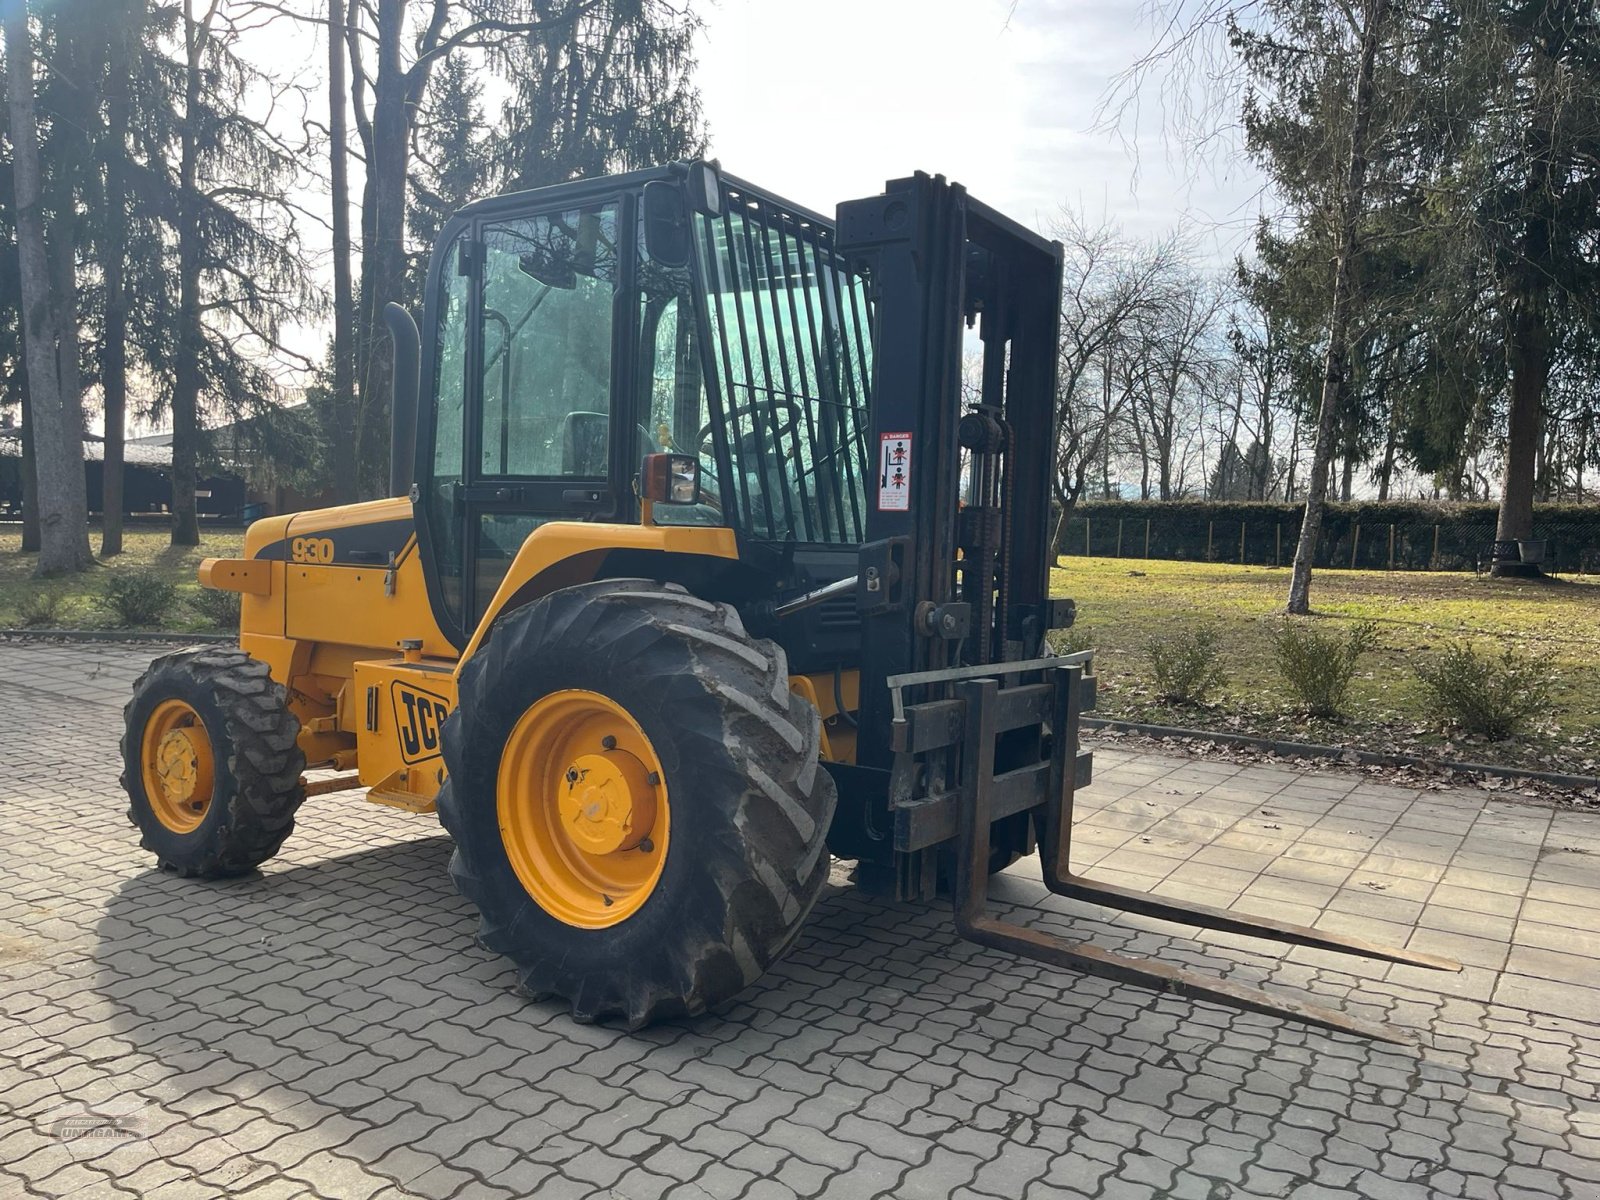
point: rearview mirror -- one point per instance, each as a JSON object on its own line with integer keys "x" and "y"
{"x": 666, "y": 224}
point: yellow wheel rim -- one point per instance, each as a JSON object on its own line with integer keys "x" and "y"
{"x": 175, "y": 760}
{"x": 583, "y": 809}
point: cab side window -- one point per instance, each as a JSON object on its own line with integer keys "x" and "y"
{"x": 449, "y": 455}
{"x": 549, "y": 285}
{"x": 674, "y": 398}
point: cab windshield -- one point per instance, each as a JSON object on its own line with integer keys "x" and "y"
{"x": 788, "y": 354}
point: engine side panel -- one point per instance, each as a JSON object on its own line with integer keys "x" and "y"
{"x": 401, "y": 706}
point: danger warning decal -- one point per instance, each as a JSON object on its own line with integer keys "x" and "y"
{"x": 894, "y": 472}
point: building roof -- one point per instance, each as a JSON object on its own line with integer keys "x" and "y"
{"x": 138, "y": 452}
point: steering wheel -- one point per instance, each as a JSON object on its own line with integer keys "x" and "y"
{"x": 780, "y": 428}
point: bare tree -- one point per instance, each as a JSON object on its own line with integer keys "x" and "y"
{"x": 345, "y": 450}
{"x": 1178, "y": 372}
{"x": 241, "y": 275}
{"x": 1371, "y": 14}
{"x": 1108, "y": 280}
{"x": 126, "y": 21}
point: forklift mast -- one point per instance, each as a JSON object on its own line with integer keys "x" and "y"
{"x": 953, "y": 570}
{"x": 976, "y": 726}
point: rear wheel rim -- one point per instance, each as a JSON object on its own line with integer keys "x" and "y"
{"x": 177, "y": 765}
{"x": 583, "y": 810}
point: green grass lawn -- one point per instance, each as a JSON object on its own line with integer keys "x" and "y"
{"x": 79, "y": 599}
{"x": 1124, "y": 603}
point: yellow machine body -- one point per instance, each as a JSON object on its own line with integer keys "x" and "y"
{"x": 335, "y": 602}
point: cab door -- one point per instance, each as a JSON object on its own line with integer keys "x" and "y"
{"x": 541, "y": 296}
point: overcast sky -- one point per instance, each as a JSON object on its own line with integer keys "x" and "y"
{"x": 822, "y": 100}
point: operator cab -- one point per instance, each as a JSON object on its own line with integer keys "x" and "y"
{"x": 573, "y": 330}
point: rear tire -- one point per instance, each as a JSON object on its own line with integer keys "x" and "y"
{"x": 211, "y": 762}
{"x": 744, "y": 856}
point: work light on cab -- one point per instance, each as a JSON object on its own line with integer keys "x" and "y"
{"x": 669, "y": 479}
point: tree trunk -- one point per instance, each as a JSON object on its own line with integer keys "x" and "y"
{"x": 114, "y": 348}
{"x": 1105, "y": 426}
{"x": 1333, "y": 380}
{"x": 56, "y": 418}
{"x": 383, "y": 255}
{"x": 63, "y": 247}
{"x": 1141, "y": 442}
{"x": 191, "y": 337}
{"x": 29, "y": 475}
{"x": 1164, "y": 463}
{"x": 1530, "y": 369}
{"x": 1261, "y": 472}
{"x": 1390, "y": 445}
{"x": 1528, "y": 294}
{"x": 30, "y": 467}
{"x": 1067, "y": 496}
{"x": 1058, "y": 538}
{"x": 1584, "y": 423}
{"x": 1294, "y": 456}
{"x": 345, "y": 458}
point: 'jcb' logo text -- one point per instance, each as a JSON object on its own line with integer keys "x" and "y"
{"x": 418, "y": 716}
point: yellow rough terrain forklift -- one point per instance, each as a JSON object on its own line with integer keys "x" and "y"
{"x": 697, "y": 569}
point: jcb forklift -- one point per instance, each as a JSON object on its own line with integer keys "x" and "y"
{"x": 696, "y": 570}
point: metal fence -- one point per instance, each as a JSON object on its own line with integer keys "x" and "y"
{"x": 1269, "y": 540}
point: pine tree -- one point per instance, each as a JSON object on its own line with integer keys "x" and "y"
{"x": 1530, "y": 195}
{"x": 239, "y": 271}
{"x": 602, "y": 87}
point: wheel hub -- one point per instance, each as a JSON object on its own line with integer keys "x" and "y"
{"x": 608, "y": 803}
{"x": 583, "y": 808}
{"x": 177, "y": 766}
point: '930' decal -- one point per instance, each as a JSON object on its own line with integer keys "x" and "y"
{"x": 311, "y": 550}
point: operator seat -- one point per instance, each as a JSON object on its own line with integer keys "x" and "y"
{"x": 583, "y": 443}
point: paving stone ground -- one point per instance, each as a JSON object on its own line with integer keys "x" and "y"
{"x": 328, "y": 1028}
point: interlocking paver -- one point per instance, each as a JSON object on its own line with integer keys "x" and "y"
{"x": 329, "y": 1023}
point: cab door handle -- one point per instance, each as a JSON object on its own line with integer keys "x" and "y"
{"x": 493, "y": 493}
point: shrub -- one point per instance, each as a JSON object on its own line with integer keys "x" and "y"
{"x": 1187, "y": 664}
{"x": 41, "y": 610}
{"x": 219, "y": 608}
{"x": 1317, "y": 665}
{"x": 1074, "y": 640}
{"x": 139, "y": 598}
{"x": 1493, "y": 697}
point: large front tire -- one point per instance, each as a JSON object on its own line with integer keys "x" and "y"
{"x": 635, "y": 797}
